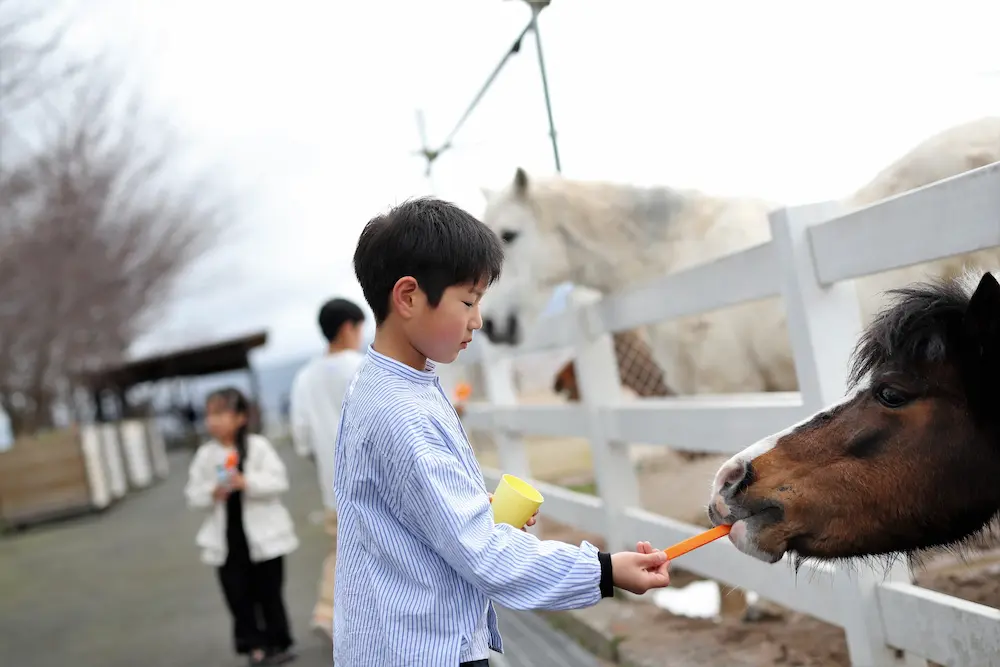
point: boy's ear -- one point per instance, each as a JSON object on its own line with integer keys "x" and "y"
{"x": 405, "y": 296}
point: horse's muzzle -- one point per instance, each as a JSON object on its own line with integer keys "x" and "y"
{"x": 509, "y": 335}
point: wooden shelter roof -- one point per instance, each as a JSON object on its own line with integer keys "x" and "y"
{"x": 217, "y": 357}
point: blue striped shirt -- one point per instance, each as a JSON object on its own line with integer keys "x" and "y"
{"x": 419, "y": 558}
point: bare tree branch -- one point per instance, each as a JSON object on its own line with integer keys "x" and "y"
{"x": 97, "y": 225}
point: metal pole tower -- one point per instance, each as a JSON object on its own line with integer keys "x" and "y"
{"x": 432, "y": 154}
{"x": 536, "y": 8}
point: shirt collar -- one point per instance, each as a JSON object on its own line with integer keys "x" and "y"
{"x": 399, "y": 368}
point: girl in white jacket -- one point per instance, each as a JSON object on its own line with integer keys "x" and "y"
{"x": 247, "y": 531}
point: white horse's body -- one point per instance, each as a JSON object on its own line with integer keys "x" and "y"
{"x": 609, "y": 237}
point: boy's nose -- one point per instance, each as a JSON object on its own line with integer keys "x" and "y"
{"x": 477, "y": 321}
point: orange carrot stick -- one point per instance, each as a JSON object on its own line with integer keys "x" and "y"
{"x": 698, "y": 540}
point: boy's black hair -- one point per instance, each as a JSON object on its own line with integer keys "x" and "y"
{"x": 434, "y": 241}
{"x": 335, "y": 313}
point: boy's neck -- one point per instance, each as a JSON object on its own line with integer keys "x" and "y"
{"x": 337, "y": 346}
{"x": 391, "y": 343}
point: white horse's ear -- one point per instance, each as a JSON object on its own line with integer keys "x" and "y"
{"x": 487, "y": 192}
{"x": 521, "y": 182}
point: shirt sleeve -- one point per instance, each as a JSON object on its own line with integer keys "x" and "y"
{"x": 447, "y": 509}
{"x": 265, "y": 476}
{"x": 201, "y": 482}
{"x": 299, "y": 419}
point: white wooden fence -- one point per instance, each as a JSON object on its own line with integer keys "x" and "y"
{"x": 814, "y": 253}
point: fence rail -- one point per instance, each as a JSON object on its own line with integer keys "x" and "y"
{"x": 813, "y": 254}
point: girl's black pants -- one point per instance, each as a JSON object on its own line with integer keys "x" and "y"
{"x": 253, "y": 593}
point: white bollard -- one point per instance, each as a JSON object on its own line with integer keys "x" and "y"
{"x": 95, "y": 463}
{"x": 157, "y": 449}
{"x": 113, "y": 455}
{"x": 137, "y": 455}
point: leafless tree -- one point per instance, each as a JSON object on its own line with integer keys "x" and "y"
{"x": 97, "y": 224}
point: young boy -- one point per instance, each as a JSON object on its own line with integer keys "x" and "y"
{"x": 420, "y": 560}
{"x": 317, "y": 395}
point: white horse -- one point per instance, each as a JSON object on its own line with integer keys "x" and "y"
{"x": 608, "y": 237}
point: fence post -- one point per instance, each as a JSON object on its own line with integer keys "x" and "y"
{"x": 498, "y": 378}
{"x": 600, "y": 388}
{"x": 823, "y": 327}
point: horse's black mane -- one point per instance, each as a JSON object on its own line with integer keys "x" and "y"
{"x": 914, "y": 328}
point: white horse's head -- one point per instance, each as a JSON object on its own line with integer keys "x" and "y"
{"x": 536, "y": 260}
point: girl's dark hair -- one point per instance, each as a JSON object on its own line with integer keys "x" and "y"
{"x": 234, "y": 399}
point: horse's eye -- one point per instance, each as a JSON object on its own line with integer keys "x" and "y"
{"x": 508, "y": 236}
{"x": 889, "y": 397}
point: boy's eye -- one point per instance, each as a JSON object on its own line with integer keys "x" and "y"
{"x": 467, "y": 304}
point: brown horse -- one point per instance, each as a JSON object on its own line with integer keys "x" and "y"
{"x": 909, "y": 460}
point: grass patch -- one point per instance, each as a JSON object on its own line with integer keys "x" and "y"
{"x": 590, "y": 488}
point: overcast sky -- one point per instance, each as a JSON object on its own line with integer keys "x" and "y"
{"x": 309, "y": 105}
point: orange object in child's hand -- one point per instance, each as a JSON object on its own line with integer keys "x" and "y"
{"x": 232, "y": 460}
{"x": 699, "y": 540}
{"x": 462, "y": 391}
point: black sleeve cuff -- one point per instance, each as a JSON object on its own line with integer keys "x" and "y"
{"x": 607, "y": 578}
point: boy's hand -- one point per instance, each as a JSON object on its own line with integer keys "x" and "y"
{"x": 220, "y": 493}
{"x": 640, "y": 570}
{"x": 531, "y": 521}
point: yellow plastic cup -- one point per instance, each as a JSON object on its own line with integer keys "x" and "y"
{"x": 515, "y": 501}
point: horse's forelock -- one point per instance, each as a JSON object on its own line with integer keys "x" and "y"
{"x": 913, "y": 329}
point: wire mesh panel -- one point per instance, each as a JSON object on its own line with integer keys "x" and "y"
{"x": 637, "y": 370}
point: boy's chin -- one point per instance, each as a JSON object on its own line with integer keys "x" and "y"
{"x": 443, "y": 357}
{"x": 448, "y": 359}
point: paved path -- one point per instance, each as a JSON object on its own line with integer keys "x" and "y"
{"x": 125, "y": 588}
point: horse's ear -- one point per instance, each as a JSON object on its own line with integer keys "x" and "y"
{"x": 521, "y": 182}
{"x": 487, "y": 192}
{"x": 982, "y": 320}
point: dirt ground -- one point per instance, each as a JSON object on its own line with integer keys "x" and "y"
{"x": 672, "y": 486}
{"x": 778, "y": 636}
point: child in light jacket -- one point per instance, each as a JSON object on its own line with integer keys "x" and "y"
{"x": 247, "y": 531}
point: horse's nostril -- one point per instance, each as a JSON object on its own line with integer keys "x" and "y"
{"x": 488, "y": 327}
{"x": 512, "y": 330}
{"x": 736, "y": 479}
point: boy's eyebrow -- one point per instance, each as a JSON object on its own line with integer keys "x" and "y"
{"x": 478, "y": 292}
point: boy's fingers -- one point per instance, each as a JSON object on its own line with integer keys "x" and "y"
{"x": 658, "y": 580}
{"x": 653, "y": 559}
